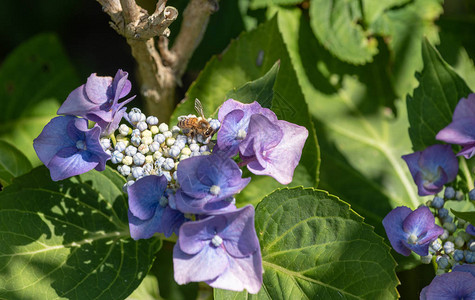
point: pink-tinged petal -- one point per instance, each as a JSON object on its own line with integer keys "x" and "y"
{"x": 121, "y": 85}
{"x": 242, "y": 273}
{"x": 206, "y": 265}
{"x": 262, "y": 135}
{"x": 453, "y": 285}
{"x": 460, "y": 132}
{"x": 98, "y": 88}
{"x": 465, "y": 108}
{"x": 145, "y": 229}
{"x": 53, "y": 138}
{"x": 240, "y": 237}
{"x": 145, "y": 194}
{"x": 393, "y": 225}
{"x": 227, "y": 138}
{"x": 77, "y": 103}
{"x": 467, "y": 151}
{"x": 69, "y": 162}
{"x": 231, "y": 104}
{"x": 281, "y": 161}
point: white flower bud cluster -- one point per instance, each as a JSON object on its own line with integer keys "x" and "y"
{"x": 150, "y": 148}
{"x": 454, "y": 246}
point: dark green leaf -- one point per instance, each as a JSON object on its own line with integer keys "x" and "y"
{"x": 147, "y": 290}
{"x": 248, "y": 58}
{"x": 260, "y": 90}
{"x": 431, "y": 107}
{"x": 13, "y": 163}
{"x": 34, "y": 80}
{"x": 69, "y": 239}
{"x": 315, "y": 247}
{"x": 263, "y": 3}
{"x": 468, "y": 216}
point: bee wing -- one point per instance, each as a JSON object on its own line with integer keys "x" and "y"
{"x": 199, "y": 108}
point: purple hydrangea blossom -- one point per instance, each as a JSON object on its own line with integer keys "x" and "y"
{"x": 458, "y": 284}
{"x": 234, "y": 117}
{"x": 98, "y": 100}
{"x": 149, "y": 211}
{"x": 67, "y": 147}
{"x": 222, "y": 250}
{"x": 273, "y": 148}
{"x": 207, "y": 184}
{"x": 462, "y": 129}
{"x": 411, "y": 230}
{"x": 432, "y": 168}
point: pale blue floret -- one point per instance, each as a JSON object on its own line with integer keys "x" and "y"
{"x": 471, "y": 195}
{"x": 137, "y": 172}
{"x": 443, "y": 212}
{"x": 437, "y": 202}
{"x": 442, "y": 262}
{"x": 435, "y": 246}
{"x": 159, "y": 162}
{"x": 120, "y": 146}
{"x": 194, "y": 147}
{"x": 204, "y": 148}
{"x": 136, "y": 141}
{"x": 459, "y": 196}
{"x": 215, "y": 124}
{"x": 139, "y": 159}
{"x": 154, "y": 146}
{"x": 167, "y": 175}
{"x": 142, "y": 126}
{"x": 124, "y": 170}
{"x": 136, "y": 133}
{"x": 449, "y": 247}
{"x": 458, "y": 255}
{"x": 180, "y": 144}
{"x": 159, "y": 138}
{"x": 471, "y": 245}
{"x": 427, "y": 259}
{"x": 168, "y": 164}
{"x": 444, "y": 235}
{"x": 469, "y": 256}
{"x": 151, "y": 120}
{"x": 135, "y": 115}
{"x": 117, "y": 157}
{"x": 130, "y": 150}
{"x": 124, "y": 129}
{"x": 163, "y": 127}
{"x": 449, "y": 193}
{"x": 105, "y": 143}
{"x": 174, "y": 151}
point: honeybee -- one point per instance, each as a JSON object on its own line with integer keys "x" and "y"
{"x": 191, "y": 125}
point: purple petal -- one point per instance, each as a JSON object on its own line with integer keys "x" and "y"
{"x": 393, "y": 224}
{"x": 261, "y": 134}
{"x": 412, "y": 161}
{"x": 436, "y": 156}
{"x": 98, "y": 88}
{"x": 231, "y": 104}
{"x": 145, "y": 194}
{"x": 172, "y": 220}
{"x": 70, "y": 162}
{"x": 121, "y": 86}
{"x": 53, "y": 138}
{"x": 470, "y": 229}
{"x": 144, "y": 229}
{"x": 465, "y": 108}
{"x": 460, "y": 132}
{"x": 77, "y": 103}
{"x": 453, "y": 285}
{"x": 194, "y": 236}
{"x": 227, "y": 138}
{"x": 281, "y": 161}
{"x": 239, "y": 236}
{"x": 465, "y": 268}
{"x": 206, "y": 265}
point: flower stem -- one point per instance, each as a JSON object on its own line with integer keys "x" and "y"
{"x": 112, "y": 137}
{"x": 467, "y": 173}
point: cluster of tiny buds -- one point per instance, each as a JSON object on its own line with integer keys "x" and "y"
{"x": 150, "y": 148}
{"x": 455, "y": 246}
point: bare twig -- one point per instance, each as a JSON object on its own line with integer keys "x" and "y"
{"x": 159, "y": 72}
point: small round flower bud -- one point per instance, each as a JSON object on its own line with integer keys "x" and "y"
{"x": 143, "y": 118}
{"x": 151, "y": 120}
{"x": 147, "y": 140}
{"x": 471, "y": 195}
{"x": 170, "y": 141}
{"x": 163, "y": 127}
{"x": 191, "y": 140}
{"x": 120, "y": 146}
{"x": 214, "y": 124}
{"x": 437, "y": 202}
{"x": 447, "y": 219}
{"x": 105, "y": 143}
{"x": 168, "y": 134}
{"x": 154, "y": 146}
{"x": 142, "y": 126}
{"x": 195, "y": 154}
{"x": 127, "y": 160}
{"x": 459, "y": 242}
{"x": 450, "y": 227}
{"x": 117, "y": 157}
{"x": 149, "y": 159}
{"x": 459, "y": 196}
{"x": 137, "y": 172}
{"x": 449, "y": 247}
{"x": 136, "y": 141}
{"x": 183, "y": 156}
{"x": 449, "y": 193}
{"x": 465, "y": 236}
{"x": 159, "y": 138}
{"x": 143, "y": 149}
{"x": 461, "y": 223}
{"x": 205, "y": 153}
{"x": 124, "y": 129}
{"x": 442, "y": 262}
{"x": 126, "y": 185}
{"x": 458, "y": 255}
{"x": 174, "y": 151}
{"x": 130, "y": 150}
{"x": 168, "y": 164}
{"x": 175, "y": 130}
{"x": 147, "y": 167}
{"x": 135, "y": 115}
{"x": 194, "y": 147}
{"x": 180, "y": 144}
{"x": 139, "y": 159}
{"x": 124, "y": 170}
{"x": 444, "y": 235}
{"x": 156, "y": 155}
{"x": 182, "y": 138}
{"x": 167, "y": 175}
{"x": 186, "y": 151}
{"x": 146, "y": 133}
{"x": 204, "y": 148}
{"x": 175, "y": 176}
{"x": 443, "y": 212}
{"x": 469, "y": 256}
{"x": 426, "y": 259}
{"x": 471, "y": 246}
{"x": 154, "y": 129}
{"x": 136, "y": 133}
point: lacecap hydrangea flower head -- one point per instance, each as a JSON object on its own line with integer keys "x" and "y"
{"x": 179, "y": 180}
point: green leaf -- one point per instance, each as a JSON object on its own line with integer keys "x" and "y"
{"x": 147, "y": 290}
{"x": 248, "y": 58}
{"x": 315, "y": 247}
{"x": 34, "y": 79}
{"x": 260, "y": 90}
{"x": 69, "y": 239}
{"x": 255, "y": 4}
{"x": 362, "y": 138}
{"x": 468, "y": 216}
{"x": 433, "y": 103}
{"x": 13, "y": 163}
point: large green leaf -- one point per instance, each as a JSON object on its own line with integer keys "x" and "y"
{"x": 249, "y": 58}
{"x": 69, "y": 239}
{"x": 360, "y": 137}
{"x": 34, "y": 80}
{"x": 13, "y": 163}
{"x": 433, "y": 103}
{"x": 315, "y": 247}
